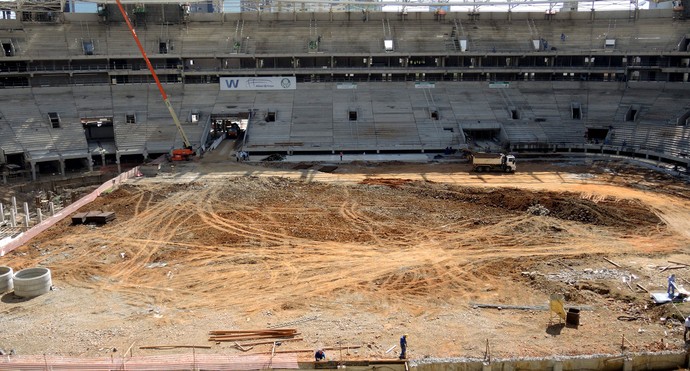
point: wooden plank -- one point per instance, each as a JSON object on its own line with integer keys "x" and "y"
{"x": 642, "y": 287}
{"x": 674, "y": 267}
{"x": 220, "y": 332}
{"x": 270, "y": 342}
{"x": 628, "y": 283}
{"x": 612, "y": 262}
{"x": 526, "y": 307}
{"x": 255, "y": 335}
{"x": 680, "y": 263}
{"x": 243, "y": 337}
{"x": 160, "y": 347}
{"x": 243, "y": 348}
{"x": 309, "y": 350}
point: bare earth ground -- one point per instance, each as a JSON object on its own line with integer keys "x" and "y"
{"x": 360, "y": 256}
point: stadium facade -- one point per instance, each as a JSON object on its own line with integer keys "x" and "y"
{"x": 75, "y": 92}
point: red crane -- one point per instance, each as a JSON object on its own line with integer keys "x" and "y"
{"x": 177, "y": 154}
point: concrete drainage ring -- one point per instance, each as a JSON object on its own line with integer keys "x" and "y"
{"x": 32, "y": 282}
{"x": 6, "y": 275}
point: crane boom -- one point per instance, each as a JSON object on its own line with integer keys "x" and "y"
{"x": 186, "y": 141}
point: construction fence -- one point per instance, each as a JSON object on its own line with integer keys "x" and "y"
{"x": 170, "y": 362}
{"x": 68, "y": 210}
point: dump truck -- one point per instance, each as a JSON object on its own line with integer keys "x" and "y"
{"x": 493, "y": 162}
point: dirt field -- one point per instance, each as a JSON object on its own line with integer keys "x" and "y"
{"x": 362, "y": 255}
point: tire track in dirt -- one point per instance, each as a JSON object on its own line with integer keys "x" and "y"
{"x": 245, "y": 229}
{"x": 350, "y": 212}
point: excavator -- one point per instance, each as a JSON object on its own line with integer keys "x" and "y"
{"x": 178, "y": 154}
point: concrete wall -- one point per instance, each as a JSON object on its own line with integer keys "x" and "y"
{"x": 630, "y": 362}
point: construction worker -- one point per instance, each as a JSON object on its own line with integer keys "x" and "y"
{"x": 403, "y": 347}
{"x": 320, "y": 355}
{"x": 687, "y": 329}
{"x": 671, "y": 290}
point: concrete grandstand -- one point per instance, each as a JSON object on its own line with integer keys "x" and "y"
{"x": 76, "y": 93}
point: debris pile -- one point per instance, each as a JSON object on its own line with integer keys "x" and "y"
{"x": 538, "y": 209}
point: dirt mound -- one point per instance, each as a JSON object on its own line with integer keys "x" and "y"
{"x": 606, "y": 211}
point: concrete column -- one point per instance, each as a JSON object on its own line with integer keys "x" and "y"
{"x": 13, "y": 216}
{"x": 103, "y": 159}
{"x": 628, "y": 364}
{"x": 26, "y": 209}
{"x": 33, "y": 170}
{"x": 51, "y": 206}
{"x": 558, "y": 366}
{"x": 2, "y": 214}
{"x": 117, "y": 161}
{"x": 14, "y": 203}
{"x": 89, "y": 161}
{"x": 26, "y": 220}
{"x": 39, "y": 213}
{"x": 62, "y": 167}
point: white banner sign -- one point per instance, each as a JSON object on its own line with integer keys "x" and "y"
{"x": 346, "y": 85}
{"x": 424, "y": 85}
{"x": 258, "y": 83}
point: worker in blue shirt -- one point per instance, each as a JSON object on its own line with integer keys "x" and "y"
{"x": 403, "y": 347}
{"x": 320, "y": 355}
{"x": 671, "y": 290}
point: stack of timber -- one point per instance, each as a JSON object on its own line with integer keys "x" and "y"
{"x": 240, "y": 335}
{"x": 97, "y": 217}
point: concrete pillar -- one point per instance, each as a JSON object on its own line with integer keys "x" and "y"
{"x": 558, "y": 366}
{"x": 13, "y": 218}
{"x": 117, "y": 161}
{"x": 103, "y": 158}
{"x": 89, "y": 161}
{"x": 26, "y": 209}
{"x": 26, "y": 220}
{"x": 39, "y": 213}
{"x": 62, "y": 167}
{"x": 33, "y": 170}
{"x": 628, "y": 364}
{"x": 51, "y": 206}
{"x": 2, "y": 214}
{"x": 14, "y": 203}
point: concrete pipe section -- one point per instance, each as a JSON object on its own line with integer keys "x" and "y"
{"x": 5, "y": 279}
{"x": 32, "y": 282}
